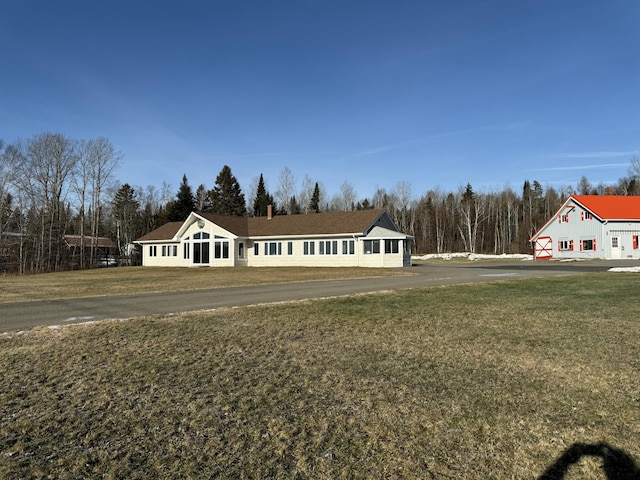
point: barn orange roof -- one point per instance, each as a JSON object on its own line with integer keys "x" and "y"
{"x": 611, "y": 207}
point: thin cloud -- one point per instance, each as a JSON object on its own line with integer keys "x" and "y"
{"x": 603, "y": 154}
{"x": 437, "y": 136}
{"x": 582, "y": 167}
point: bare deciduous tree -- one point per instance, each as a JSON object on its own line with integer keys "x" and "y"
{"x": 286, "y": 190}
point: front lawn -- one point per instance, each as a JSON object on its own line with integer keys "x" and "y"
{"x": 478, "y": 381}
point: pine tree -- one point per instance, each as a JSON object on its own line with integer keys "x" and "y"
{"x": 184, "y": 204}
{"x": 314, "y": 205}
{"x": 262, "y": 200}
{"x": 294, "y": 206}
{"x": 227, "y": 197}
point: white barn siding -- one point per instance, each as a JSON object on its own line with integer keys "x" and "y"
{"x": 573, "y": 228}
{"x": 570, "y": 225}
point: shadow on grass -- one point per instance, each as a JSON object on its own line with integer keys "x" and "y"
{"x": 617, "y": 465}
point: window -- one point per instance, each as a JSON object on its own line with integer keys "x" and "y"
{"x": 164, "y": 250}
{"x": 241, "y": 250}
{"x": 273, "y": 248}
{"x": 221, "y": 249}
{"x": 348, "y": 247}
{"x": 329, "y": 247}
{"x": 565, "y": 245}
{"x": 614, "y": 242}
{"x": 289, "y": 248}
{"x": 564, "y": 218}
{"x": 175, "y": 250}
{"x": 371, "y": 246}
{"x": 185, "y": 249}
{"x": 391, "y": 246}
{"x": 587, "y": 245}
{"x": 153, "y": 251}
{"x": 309, "y": 248}
{"x": 586, "y": 216}
{"x": 256, "y": 249}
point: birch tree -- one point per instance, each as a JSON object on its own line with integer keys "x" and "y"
{"x": 286, "y": 190}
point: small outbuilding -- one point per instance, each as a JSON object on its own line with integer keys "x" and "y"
{"x": 591, "y": 226}
{"x": 363, "y": 238}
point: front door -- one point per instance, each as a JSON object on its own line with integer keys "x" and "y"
{"x": 615, "y": 247}
{"x": 201, "y": 248}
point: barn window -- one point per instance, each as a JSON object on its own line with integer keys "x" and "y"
{"x": 565, "y": 245}
{"x": 587, "y": 245}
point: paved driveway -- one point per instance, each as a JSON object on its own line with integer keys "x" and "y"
{"x": 20, "y": 316}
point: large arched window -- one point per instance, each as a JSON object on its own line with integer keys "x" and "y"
{"x": 201, "y": 247}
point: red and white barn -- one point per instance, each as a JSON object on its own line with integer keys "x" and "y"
{"x": 591, "y": 226}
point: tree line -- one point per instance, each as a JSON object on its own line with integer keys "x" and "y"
{"x": 53, "y": 187}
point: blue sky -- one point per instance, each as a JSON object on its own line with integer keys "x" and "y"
{"x": 370, "y": 92}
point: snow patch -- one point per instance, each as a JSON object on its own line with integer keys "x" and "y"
{"x": 625, "y": 269}
{"x": 474, "y": 256}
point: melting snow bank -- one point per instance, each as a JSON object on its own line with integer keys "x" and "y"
{"x": 473, "y": 256}
{"x": 625, "y": 269}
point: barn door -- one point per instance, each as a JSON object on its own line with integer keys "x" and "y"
{"x": 615, "y": 247}
{"x": 543, "y": 248}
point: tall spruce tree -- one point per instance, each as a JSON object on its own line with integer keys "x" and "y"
{"x": 263, "y": 199}
{"x": 184, "y": 203}
{"x": 227, "y": 197}
{"x": 314, "y": 204}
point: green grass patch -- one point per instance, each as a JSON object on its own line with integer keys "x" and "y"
{"x": 478, "y": 381}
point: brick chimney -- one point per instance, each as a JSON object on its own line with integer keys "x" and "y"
{"x": 269, "y": 212}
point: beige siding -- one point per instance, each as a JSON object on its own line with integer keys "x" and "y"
{"x": 328, "y": 251}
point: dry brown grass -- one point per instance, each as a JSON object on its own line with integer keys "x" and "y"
{"x": 472, "y": 382}
{"x": 132, "y": 280}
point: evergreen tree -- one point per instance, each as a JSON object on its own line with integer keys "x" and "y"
{"x": 227, "y": 197}
{"x": 184, "y": 204}
{"x": 262, "y": 200}
{"x": 294, "y": 206}
{"x": 314, "y": 205}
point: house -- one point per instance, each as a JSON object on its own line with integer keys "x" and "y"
{"x": 591, "y": 226}
{"x": 101, "y": 248}
{"x": 364, "y": 238}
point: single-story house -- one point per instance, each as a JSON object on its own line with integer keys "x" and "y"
{"x": 105, "y": 251}
{"x": 364, "y": 238}
{"x": 591, "y": 226}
